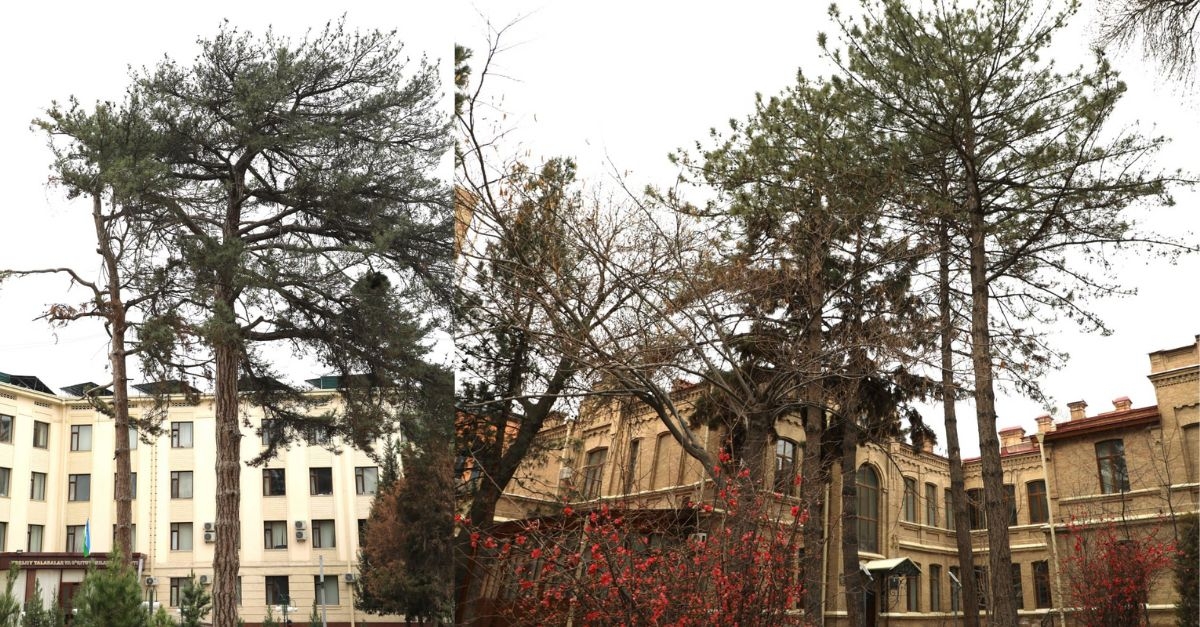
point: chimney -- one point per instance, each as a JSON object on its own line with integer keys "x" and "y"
{"x": 1045, "y": 423}
{"x": 1122, "y": 404}
{"x": 927, "y": 445}
{"x": 1011, "y": 436}
{"x": 1078, "y": 409}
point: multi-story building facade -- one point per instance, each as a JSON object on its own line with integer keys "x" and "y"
{"x": 301, "y": 513}
{"x": 1134, "y": 467}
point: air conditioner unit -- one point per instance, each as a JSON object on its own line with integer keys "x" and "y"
{"x": 210, "y": 527}
{"x": 300, "y": 524}
{"x": 203, "y": 580}
{"x": 301, "y": 535}
{"x": 210, "y": 537}
{"x": 349, "y": 577}
{"x": 151, "y": 581}
{"x": 698, "y": 537}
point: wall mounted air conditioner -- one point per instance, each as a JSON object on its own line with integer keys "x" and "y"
{"x": 151, "y": 581}
{"x": 349, "y": 577}
{"x": 210, "y": 527}
{"x": 300, "y": 524}
{"x": 301, "y": 535}
{"x": 697, "y": 537}
{"x": 210, "y": 537}
{"x": 203, "y": 580}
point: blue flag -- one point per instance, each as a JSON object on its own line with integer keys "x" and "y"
{"x": 87, "y": 538}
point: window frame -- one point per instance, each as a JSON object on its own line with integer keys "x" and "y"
{"x": 908, "y": 513}
{"x": 29, "y": 537}
{"x": 272, "y": 527}
{"x": 931, "y": 504}
{"x": 41, "y": 434}
{"x": 319, "y": 588}
{"x": 77, "y": 483}
{"x": 77, "y": 438}
{"x": 1039, "y": 503}
{"x": 177, "y": 483}
{"x": 5, "y": 482}
{"x": 316, "y": 527}
{"x": 74, "y": 536}
{"x": 785, "y": 466}
{"x": 360, "y": 480}
{"x": 593, "y": 473}
{"x": 1042, "y": 594}
{"x": 182, "y": 533}
{"x": 867, "y": 494}
{"x": 1010, "y": 503}
{"x": 315, "y": 481}
{"x": 977, "y": 515}
{"x": 7, "y": 425}
{"x": 34, "y": 493}
{"x": 935, "y": 587}
{"x": 178, "y": 434}
{"x": 274, "y": 478}
{"x": 1114, "y": 462}
{"x": 274, "y": 590}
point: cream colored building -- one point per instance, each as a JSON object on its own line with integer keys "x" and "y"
{"x": 1131, "y": 466}
{"x": 301, "y": 510}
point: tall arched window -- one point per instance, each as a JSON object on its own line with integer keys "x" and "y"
{"x": 868, "y": 509}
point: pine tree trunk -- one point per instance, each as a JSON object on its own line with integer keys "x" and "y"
{"x": 1003, "y": 610}
{"x": 962, "y": 533}
{"x": 228, "y": 468}
{"x": 851, "y": 572}
{"x": 812, "y": 496}
{"x": 123, "y": 493}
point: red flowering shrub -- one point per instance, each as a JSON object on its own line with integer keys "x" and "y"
{"x": 1110, "y": 574}
{"x": 725, "y": 563}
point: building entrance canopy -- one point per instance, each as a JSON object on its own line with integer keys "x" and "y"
{"x": 899, "y": 566}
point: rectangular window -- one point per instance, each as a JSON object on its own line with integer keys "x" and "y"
{"x": 5, "y": 480}
{"x": 177, "y": 584}
{"x": 949, "y": 501}
{"x": 1018, "y": 590}
{"x": 1039, "y": 508}
{"x": 322, "y": 534}
{"x": 1110, "y": 459}
{"x": 41, "y": 434}
{"x": 320, "y": 481}
{"x": 81, "y": 437}
{"x": 981, "y": 586}
{"x": 37, "y": 486}
{"x": 955, "y": 589}
{"x": 1041, "y": 584}
{"x": 181, "y": 435}
{"x": 593, "y": 473}
{"x": 327, "y": 591}
{"x": 277, "y": 590}
{"x": 931, "y": 508}
{"x": 270, "y": 431}
{"x": 181, "y": 536}
{"x": 275, "y": 534}
{"x": 33, "y": 540}
{"x": 975, "y": 508}
{"x": 79, "y": 487}
{"x": 362, "y": 531}
{"x": 910, "y": 499}
{"x": 274, "y": 482}
{"x": 133, "y": 438}
{"x": 913, "y": 588}
{"x": 935, "y": 587}
{"x": 3, "y": 536}
{"x": 6, "y": 428}
{"x": 181, "y": 484}
{"x": 631, "y": 472}
{"x": 74, "y": 539}
{"x": 366, "y": 480}
{"x": 785, "y": 466}
{"x": 1010, "y": 503}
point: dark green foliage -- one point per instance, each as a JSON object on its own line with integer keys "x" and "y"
{"x": 162, "y": 618}
{"x": 269, "y": 619}
{"x": 110, "y": 596}
{"x": 1187, "y": 572}
{"x": 37, "y": 614}
{"x": 314, "y": 617}
{"x": 10, "y": 607}
{"x": 389, "y": 470}
{"x": 194, "y": 602}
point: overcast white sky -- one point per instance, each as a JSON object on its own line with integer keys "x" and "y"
{"x": 632, "y": 81}
{"x": 626, "y": 81}
{"x": 54, "y": 50}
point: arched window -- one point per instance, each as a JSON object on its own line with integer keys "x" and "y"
{"x": 868, "y": 509}
{"x": 785, "y": 466}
